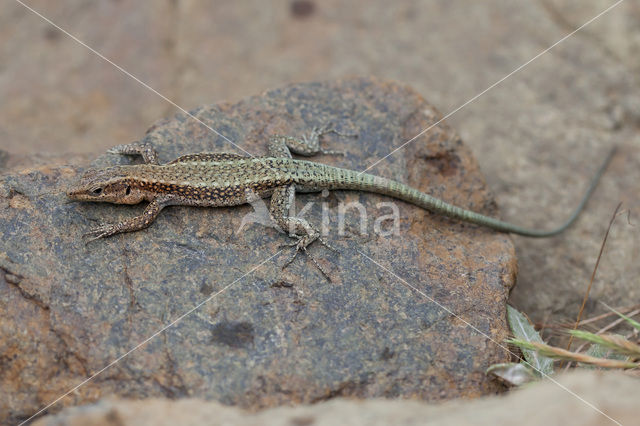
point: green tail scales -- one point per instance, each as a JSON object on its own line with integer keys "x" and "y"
{"x": 347, "y": 179}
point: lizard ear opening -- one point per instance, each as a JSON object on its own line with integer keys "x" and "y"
{"x": 128, "y": 190}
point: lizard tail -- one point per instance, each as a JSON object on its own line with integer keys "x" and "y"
{"x": 403, "y": 192}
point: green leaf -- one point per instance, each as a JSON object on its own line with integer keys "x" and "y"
{"x": 512, "y": 373}
{"x": 522, "y": 329}
{"x": 600, "y": 351}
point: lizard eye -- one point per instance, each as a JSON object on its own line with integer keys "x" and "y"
{"x": 128, "y": 190}
{"x": 97, "y": 191}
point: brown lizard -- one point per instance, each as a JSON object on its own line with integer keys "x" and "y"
{"x": 226, "y": 179}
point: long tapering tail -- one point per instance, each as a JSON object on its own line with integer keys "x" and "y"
{"x": 367, "y": 182}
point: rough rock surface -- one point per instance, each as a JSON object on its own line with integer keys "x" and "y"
{"x": 537, "y": 135}
{"x": 544, "y": 403}
{"x": 264, "y": 337}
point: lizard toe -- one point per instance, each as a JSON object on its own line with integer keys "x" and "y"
{"x": 98, "y": 232}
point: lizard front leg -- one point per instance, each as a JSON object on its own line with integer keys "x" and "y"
{"x": 143, "y": 148}
{"x": 281, "y": 200}
{"x": 133, "y": 224}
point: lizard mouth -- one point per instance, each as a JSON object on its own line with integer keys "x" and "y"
{"x": 74, "y": 195}
{"x": 71, "y": 194}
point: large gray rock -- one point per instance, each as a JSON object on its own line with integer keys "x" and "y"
{"x": 255, "y": 335}
{"x": 538, "y": 135}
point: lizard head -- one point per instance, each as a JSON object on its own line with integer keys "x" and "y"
{"x": 109, "y": 185}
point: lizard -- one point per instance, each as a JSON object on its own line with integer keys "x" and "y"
{"x": 229, "y": 179}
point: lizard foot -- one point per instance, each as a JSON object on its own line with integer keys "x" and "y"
{"x": 327, "y": 245}
{"x": 101, "y": 231}
{"x": 328, "y": 128}
{"x": 144, "y": 148}
{"x": 298, "y": 244}
{"x": 318, "y": 132}
{"x": 301, "y": 245}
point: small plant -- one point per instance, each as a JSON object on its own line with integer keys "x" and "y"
{"x": 604, "y": 351}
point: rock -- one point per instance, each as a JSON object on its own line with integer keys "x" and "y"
{"x": 538, "y": 135}
{"x": 239, "y": 329}
{"x": 543, "y": 403}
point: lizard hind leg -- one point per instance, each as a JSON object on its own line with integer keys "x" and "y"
{"x": 307, "y": 145}
{"x": 300, "y": 229}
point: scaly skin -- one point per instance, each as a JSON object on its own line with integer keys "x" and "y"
{"x": 224, "y": 179}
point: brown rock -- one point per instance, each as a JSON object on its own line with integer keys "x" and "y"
{"x": 252, "y": 334}
{"x": 537, "y": 135}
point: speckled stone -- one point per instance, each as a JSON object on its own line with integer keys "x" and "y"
{"x": 255, "y": 335}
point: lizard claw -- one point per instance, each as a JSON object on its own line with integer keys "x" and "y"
{"x": 301, "y": 245}
{"x": 98, "y": 232}
{"x": 287, "y": 245}
{"x": 317, "y": 132}
{"x": 327, "y": 245}
{"x": 328, "y": 128}
{"x": 291, "y": 259}
{"x": 118, "y": 149}
{"x": 315, "y": 262}
{"x": 331, "y": 152}
{"x": 298, "y": 245}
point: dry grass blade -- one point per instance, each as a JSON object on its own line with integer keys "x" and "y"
{"x": 593, "y": 274}
{"x": 635, "y": 324}
{"x": 617, "y": 343}
{"x": 631, "y": 311}
{"x": 610, "y": 326}
{"x": 563, "y": 354}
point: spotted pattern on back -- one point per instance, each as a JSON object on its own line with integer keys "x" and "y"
{"x": 208, "y": 156}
